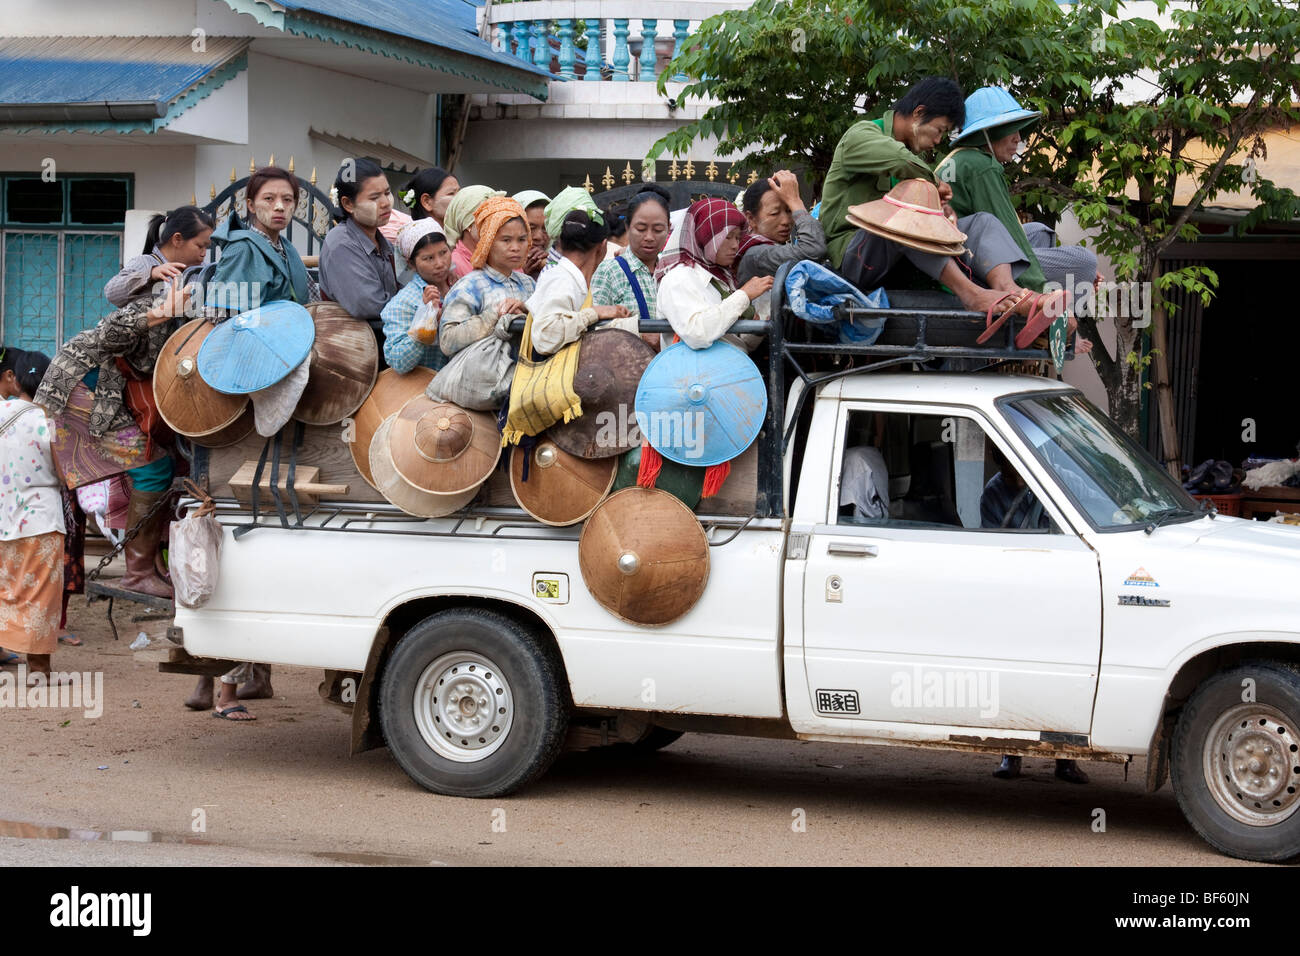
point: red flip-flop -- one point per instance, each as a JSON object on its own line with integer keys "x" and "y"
{"x": 991, "y": 325}
{"x": 1039, "y": 321}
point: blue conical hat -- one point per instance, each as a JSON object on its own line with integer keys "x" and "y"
{"x": 990, "y": 107}
{"x": 256, "y": 349}
{"x": 701, "y": 406}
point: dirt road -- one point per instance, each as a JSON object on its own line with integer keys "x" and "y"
{"x": 283, "y": 790}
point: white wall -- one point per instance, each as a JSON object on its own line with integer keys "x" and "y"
{"x": 287, "y": 98}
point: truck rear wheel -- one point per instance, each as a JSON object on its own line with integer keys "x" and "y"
{"x": 473, "y": 704}
{"x": 1235, "y": 762}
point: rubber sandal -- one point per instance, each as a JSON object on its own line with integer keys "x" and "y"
{"x": 991, "y": 325}
{"x": 1038, "y": 322}
{"x": 224, "y": 713}
{"x": 9, "y": 658}
{"x": 70, "y": 640}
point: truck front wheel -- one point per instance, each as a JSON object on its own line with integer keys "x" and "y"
{"x": 473, "y": 704}
{"x": 1235, "y": 762}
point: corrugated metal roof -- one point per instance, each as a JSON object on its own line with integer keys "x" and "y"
{"x": 40, "y": 70}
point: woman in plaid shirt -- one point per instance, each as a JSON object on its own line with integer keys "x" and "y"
{"x": 647, "y": 233}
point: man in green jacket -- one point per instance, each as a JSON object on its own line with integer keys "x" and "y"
{"x": 871, "y": 158}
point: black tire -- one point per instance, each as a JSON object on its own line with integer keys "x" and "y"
{"x": 656, "y": 739}
{"x": 537, "y": 693}
{"x": 1269, "y": 721}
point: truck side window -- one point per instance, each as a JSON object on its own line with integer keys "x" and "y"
{"x": 931, "y": 471}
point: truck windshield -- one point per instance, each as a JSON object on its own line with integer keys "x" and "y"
{"x": 1112, "y": 480}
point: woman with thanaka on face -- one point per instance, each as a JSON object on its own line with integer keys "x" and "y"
{"x": 561, "y": 307}
{"x": 628, "y": 279}
{"x": 535, "y": 202}
{"x": 258, "y": 263}
{"x": 176, "y": 241}
{"x": 424, "y": 247}
{"x": 698, "y": 293}
{"x": 778, "y": 228}
{"x": 356, "y": 261}
{"x": 484, "y": 302}
{"x": 460, "y": 229}
{"x": 426, "y": 194}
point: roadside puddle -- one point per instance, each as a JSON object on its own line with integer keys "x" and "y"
{"x": 20, "y": 830}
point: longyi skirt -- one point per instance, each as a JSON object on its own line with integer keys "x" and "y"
{"x": 31, "y": 593}
{"x": 83, "y": 459}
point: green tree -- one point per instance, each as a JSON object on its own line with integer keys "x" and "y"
{"x": 1131, "y": 108}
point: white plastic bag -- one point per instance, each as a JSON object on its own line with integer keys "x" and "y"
{"x": 195, "y": 556}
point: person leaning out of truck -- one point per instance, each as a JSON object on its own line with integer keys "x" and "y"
{"x": 698, "y": 292}
{"x": 778, "y": 228}
{"x": 176, "y": 241}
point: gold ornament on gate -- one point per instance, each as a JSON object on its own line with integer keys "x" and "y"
{"x": 753, "y": 178}
{"x": 732, "y": 174}
{"x": 674, "y": 171}
{"x": 627, "y": 175}
{"x": 689, "y": 170}
{"x": 587, "y": 183}
{"x": 711, "y": 171}
{"x": 608, "y": 179}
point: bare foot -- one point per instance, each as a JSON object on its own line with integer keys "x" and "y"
{"x": 201, "y": 697}
{"x": 259, "y": 688}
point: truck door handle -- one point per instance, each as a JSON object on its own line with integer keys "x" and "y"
{"x": 852, "y": 550}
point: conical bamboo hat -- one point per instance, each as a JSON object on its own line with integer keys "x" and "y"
{"x": 561, "y": 489}
{"x": 391, "y": 485}
{"x": 610, "y": 365}
{"x": 443, "y": 448}
{"x": 911, "y": 214}
{"x": 189, "y": 405}
{"x": 644, "y": 556}
{"x": 392, "y": 390}
{"x": 344, "y": 362}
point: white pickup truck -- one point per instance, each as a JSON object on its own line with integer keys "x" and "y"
{"x": 1091, "y": 610}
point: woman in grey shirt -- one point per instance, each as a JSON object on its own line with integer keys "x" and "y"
{"x": 356, "y": 261}
{"x": 779, "y": 228}
{"x": 176, "y": 241}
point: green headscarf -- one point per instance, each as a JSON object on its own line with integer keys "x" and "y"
{"x": 460, "y": 211}
{"x": 565, "y": 202}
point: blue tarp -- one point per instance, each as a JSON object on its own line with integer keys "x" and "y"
{"x": 813, "y": 291}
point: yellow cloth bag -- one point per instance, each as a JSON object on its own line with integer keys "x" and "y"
{"x": 542, "y": 393}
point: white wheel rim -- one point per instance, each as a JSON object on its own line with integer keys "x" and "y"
{"x": 463, "y": 706}
{"x": 1252, "y": 764}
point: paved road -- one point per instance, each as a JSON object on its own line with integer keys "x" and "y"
{"x": 284, "y": 790}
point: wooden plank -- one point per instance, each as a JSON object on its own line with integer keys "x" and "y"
{"x": 323, "y": 446}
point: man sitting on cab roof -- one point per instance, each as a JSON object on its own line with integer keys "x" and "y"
{"x": 873, "y": 157}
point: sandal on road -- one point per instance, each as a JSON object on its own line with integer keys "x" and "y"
{"x": 225, "y": 712}
{"x": 70, "y": 640}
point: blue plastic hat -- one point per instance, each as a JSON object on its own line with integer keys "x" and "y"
{"x": 701, "y": 406}
{"x": 256, "y": 349}
{"x": 990, "y": 107}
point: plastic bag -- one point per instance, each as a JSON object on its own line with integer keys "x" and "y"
{"x": 813, "y": 292}
{"x": 195, "y": 554}
{"x": 424, "y": 327}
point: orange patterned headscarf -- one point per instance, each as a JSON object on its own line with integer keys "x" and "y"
{"x": 491, "y": 214}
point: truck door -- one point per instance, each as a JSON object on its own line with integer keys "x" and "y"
{"x": 941, "y": 588}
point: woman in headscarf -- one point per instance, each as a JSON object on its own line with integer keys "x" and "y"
{"x": 459, "y": 227}
{"x": 562, "y": 305}
{"x": 778, "y": 228}
{"x": 484, "y": 302}
{"x": 698, "y": 293}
